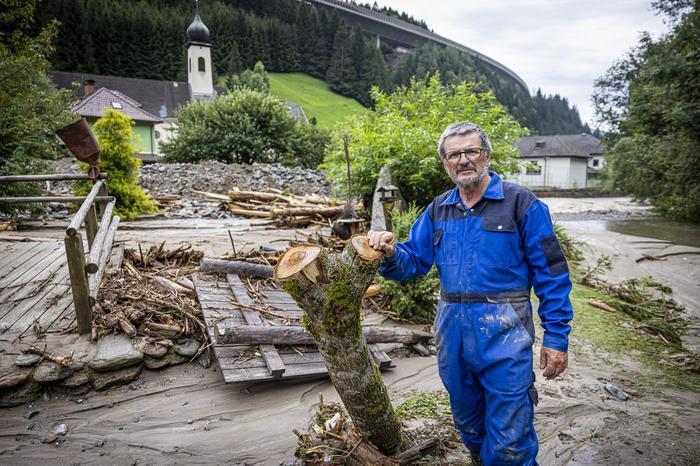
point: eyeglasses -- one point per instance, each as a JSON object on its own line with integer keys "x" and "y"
{"x": 472, "y": 154}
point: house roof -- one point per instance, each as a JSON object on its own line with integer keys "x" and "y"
{"x": 95, "y": 104}
{"x": 160, "y": 98}
{"x": 562, "y": 145}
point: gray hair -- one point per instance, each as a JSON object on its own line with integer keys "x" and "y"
{"x": 463, "y": 127}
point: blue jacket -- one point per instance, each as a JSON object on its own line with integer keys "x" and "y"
{"x": 505, "y": 243}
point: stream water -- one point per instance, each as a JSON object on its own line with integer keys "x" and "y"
{"x": 682, "y": 233}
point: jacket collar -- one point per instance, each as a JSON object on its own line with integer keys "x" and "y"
{"x": 493, "y": 191}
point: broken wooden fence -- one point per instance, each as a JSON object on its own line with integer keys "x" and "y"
{"x": 100, "y": 228}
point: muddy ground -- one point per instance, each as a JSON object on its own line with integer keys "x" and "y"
{"x": 187, "y": 415}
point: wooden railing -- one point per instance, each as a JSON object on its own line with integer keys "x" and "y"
{"x": 100, "y": 228}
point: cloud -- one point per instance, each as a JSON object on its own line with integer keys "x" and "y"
{"x": 560, "y": 47}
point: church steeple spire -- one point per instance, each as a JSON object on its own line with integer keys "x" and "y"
{"x": 199, "y": 70}
{"x": 197, "y": 32}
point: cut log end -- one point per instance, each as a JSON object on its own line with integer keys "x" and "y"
{"x": 297, "y": 260}
{"x": 360, "y": 244}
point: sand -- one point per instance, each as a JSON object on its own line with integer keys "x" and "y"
{"x": 187, "y": 414}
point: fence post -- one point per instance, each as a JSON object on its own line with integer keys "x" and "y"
{"x": 79, "y": 282}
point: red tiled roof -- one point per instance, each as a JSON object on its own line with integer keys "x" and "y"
{"x": 96, "y": 103}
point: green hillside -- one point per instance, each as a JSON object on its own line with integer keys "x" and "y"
{"x": 315, "y": 97}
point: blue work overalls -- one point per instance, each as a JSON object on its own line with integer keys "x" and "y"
{"x": 488, "y": 258}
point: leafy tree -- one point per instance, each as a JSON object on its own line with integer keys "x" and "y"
{"x": 245, "y": 126}
{"x": 118, "y": 159}
{"x": 256, "y": 79}
{"x": 403, "y": 131}
{"x": 650, "y": 100}
{"x": 413, "y": 300}
{"x": 32, "y": 108}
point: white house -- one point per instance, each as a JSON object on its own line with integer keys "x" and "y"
{"x": 560, "y": 161}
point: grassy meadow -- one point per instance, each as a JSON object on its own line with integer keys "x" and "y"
{"x": 315, "y": 97}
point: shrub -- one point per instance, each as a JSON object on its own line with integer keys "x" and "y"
{"x": 118, "y": 160}
{"x": 256, "y": 79}
{"x": 245, "y": 126}
{"x": 403, "y": 131}
{"x": 31, "y": 108}
{"x": 412, "y": 300}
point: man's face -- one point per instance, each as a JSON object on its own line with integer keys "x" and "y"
{"x": 466, "y": 172}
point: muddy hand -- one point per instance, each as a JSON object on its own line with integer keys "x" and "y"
{"x": 553, "y": 362}
{"x": 382, "y": 241}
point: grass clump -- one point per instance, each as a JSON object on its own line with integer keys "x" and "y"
{"x": 424, "y": 405}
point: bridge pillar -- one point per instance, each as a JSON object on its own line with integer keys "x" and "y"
{"x": 378, "y": 41}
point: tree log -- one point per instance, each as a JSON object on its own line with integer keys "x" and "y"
{"x": 329, "y": 287}
{"x": 278, "y": 335}
{"x": 306, "y": 211}
{"x": 238, "y": 267}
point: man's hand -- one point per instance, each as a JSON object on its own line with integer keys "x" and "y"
{"x": 553, "y": 362}
{"x": 382, "y": 241}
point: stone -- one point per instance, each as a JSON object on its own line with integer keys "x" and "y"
{"x": 12, "y": 376}
{"x": 51, "y": 438}
{"x": 155, "y": 363}
{"x": 103, "y": 380}
{"x": 115, "y": 352}
{"x": 49, "y": 371}
{"x": 78, "y": 378}
{"x": 60, "y": 429}
{"x": 99, "y": 443}
{"x": 187, "y": 349}
{"x": 19, "y": 395}
{"x": 30, "y": 412}
{"x": 27, "y": 360}
{"x": 149, "y": 348}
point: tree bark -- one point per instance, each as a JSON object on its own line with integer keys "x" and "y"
{"x": 329, "y": 287}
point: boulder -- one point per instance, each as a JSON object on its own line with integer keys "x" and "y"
{"x": 103, "y": 380}
{"x": 150, "y": 348}
{"x": 79, "y": 378}
{"x": 49, "y": 371}
{"x": 115, "y": 352}
{"x": 27, "y": 360}
{"x": 188, "y": 348}
{"x": 11, "y": 375}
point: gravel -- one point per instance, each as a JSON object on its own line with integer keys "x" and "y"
{"x": 162, "y": 179}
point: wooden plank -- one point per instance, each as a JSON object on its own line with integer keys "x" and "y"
{"x": 259, "y": 374}
{"x": 287, "y": 358}
{"x": 31, "y": 306}
{"x": 79, "y": 282}
{"x": 51, "y": 274}
{"x": 52, "y": 295}
{"x": 29, "y": 263}
{"x": 22, "y": 253}
{"x": 292, "y": 308}
{"x": 380, "y": 357}
{"x": 37, "y": 273}
{"x": 272, "y": 358}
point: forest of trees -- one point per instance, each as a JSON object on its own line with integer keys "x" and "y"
{"x": 146, "y": 39}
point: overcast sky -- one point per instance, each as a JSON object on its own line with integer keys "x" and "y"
{"x": 560, "y": 46}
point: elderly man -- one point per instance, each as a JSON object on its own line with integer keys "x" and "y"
{"x": 492, "y": 242}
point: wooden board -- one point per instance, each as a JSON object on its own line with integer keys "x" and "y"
{"x": 252, "y": 363}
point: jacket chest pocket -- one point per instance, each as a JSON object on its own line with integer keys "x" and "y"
{"x": 500, "y": 242}
{"x": 446, "y": 246}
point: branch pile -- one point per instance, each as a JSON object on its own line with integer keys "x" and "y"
{"x": 333, "y": 440}
{"x": 284, "y": 209}
{"x": 150, "y": 296}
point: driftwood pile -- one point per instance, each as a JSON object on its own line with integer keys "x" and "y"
{"x": 151, "y": 296}
{"x": 286, "y": 210}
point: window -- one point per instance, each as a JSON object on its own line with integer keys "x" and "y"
{"x": 539, "y": 144}
{"x": 533, "y": 168}
{"x": 200, "y": 64}
{"x": 116, "y": 105}
{"x": 596, "y": 162}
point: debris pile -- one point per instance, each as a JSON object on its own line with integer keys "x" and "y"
{"x": 151, "y": 298}
{"x": 333, "y": 440}
{"x": 287, "y": 210}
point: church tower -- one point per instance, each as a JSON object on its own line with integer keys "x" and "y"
{"x": 200, "y": 75}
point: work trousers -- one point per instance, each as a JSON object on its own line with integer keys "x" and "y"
{"x": 485, "y": 362}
